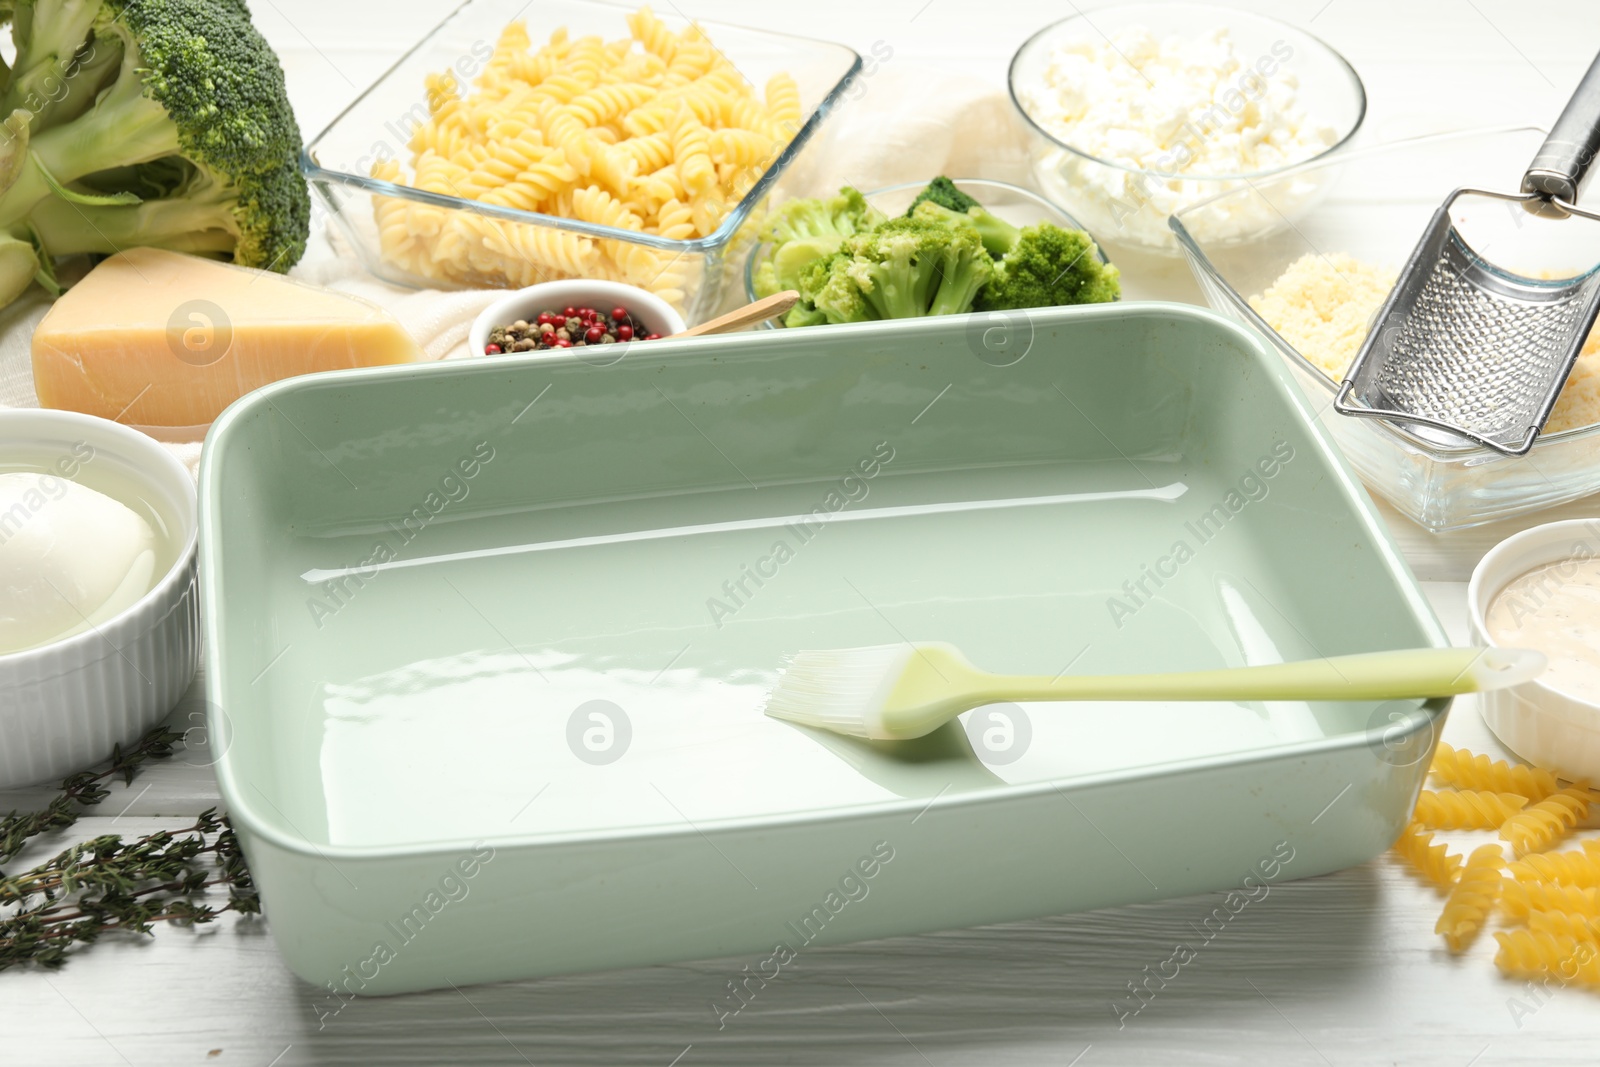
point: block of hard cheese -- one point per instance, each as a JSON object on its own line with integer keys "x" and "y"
{"x": 164, "y": 340}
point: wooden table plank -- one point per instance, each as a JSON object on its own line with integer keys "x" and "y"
{"x": 1338, "y": 967}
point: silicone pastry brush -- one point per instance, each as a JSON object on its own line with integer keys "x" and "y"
{"x": 896, "y": 692}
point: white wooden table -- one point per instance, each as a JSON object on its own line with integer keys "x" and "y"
{"x": 1337, "y": 970}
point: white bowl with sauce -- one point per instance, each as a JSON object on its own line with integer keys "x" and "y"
{"x": 1540, "y": 589}
{"x": 66, "y": 698}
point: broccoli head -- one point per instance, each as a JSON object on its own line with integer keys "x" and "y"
{"x": 805, "y": 314}
{"x": 148, "y": 122}
{"x": 789, "y": 261}
{"x": 964, "y": 268}
{"x": 807, "y": 230}
{"x": 1048, "y": 267}
{"x": 907, "y": 268}
{"x": 827, "y": 290}
{"x": 998, "y": 235}
{"x": 832, "y": 216}
{"x": 901, "y": 269}
{"x": 765, "y": 282}
{"x": 893, "y": 267}
{"x": 942, "y": 191}
{"x": 951, "y": 263}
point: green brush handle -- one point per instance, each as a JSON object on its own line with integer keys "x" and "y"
{"x": 1406, "y": 674}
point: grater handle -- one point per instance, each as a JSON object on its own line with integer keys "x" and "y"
{"x": 1558, "y": 168}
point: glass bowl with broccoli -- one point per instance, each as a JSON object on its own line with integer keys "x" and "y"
{"x": 942, "y": 247}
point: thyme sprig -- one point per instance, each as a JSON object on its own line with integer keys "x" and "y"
{"x": 107, "y": 884}
{"x": 83, "y": 789}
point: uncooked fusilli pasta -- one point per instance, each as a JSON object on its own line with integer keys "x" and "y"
{"x": 1434, "y": 862}
{"x": 1534, "y": 954}
{"x": 1472, "y": 897}
{"x": 1464, "y": 770}
{"x": 1564, "y": 868}
{"x": 1519, "y": 899}
{"x": 1537, "y": 828}
{"x": 1565, "y": 924}
{"x": 1467, "y": 809}
{"x": 1554, "y": 896}
{"x": 656, "y": 133}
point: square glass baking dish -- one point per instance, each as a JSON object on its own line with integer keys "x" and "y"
{"x": 488, "y": 640}
{"x": 378, "y": 127}
{"x": 1376, "y": 217}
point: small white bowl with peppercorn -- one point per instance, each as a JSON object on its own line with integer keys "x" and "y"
{"x": 559, "y": 317}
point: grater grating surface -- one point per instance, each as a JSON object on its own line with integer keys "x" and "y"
{"x": 1469, "y": 348}
{"x": 1480, "y": 346}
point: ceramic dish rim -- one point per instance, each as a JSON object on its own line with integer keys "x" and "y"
{"x": 241, "y": 809}
{"x": 133, "y": 614}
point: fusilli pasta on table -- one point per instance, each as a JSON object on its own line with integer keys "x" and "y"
{"x": 1553, "y": 896}
{"x": 1434, "y": 862}
{"x": 1537, "y": 828}
{"x": 1464, "y": 770}
{"x": 1467, "y": 809}
{"x": 1472, "y": 898}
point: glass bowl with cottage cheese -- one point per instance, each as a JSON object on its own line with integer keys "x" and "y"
{"x": 1314, "y": 290}
{"x": 1140, "y": 111}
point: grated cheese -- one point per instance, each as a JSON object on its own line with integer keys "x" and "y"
{"x": 1324, "y": 306}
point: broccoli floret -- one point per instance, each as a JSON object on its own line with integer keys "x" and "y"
{"x": 929, "y": 211}
{"x": 832, "y": 216}
{"x": 830, "y": 291}
{"x": 765, "y": 282}
{"x": 908, "y": 268}
{"x": 151, "y": 122}
{"x": 790, "y": 260}
{"x": 1050, "y": 266}
{"x": 932, "y": 263}
{"x": 804, "y": 314}
{"x": 998, "y": 235}
{"x": 805, "y": 232}
{"x": 894, "y": 265}
{"x": 964, "y": 268}
{"x": 903, "y": 268}
{"x": 942, "y": 191}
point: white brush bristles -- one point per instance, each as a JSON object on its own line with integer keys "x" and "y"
{"x": 840, "y": 689}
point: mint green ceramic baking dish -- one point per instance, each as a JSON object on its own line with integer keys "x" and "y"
{"x": 487, "y": 641}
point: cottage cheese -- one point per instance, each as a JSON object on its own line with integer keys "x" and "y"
{"x": 1192, "y": 108}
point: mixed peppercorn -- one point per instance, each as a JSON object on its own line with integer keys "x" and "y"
{"x": 572, "y": 327}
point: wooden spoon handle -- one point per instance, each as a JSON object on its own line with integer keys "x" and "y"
{"x": 766, "y": 308}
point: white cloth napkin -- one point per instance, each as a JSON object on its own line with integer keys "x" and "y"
{"x": 901, "y": 123}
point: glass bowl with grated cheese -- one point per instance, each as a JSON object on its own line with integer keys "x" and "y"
{"x": 1315, "y": 289}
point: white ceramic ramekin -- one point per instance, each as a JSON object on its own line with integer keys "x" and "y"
{"x": 577, "y": 292}
{"x": 1545, "y": 727}
{"x": 63, "y": 706}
